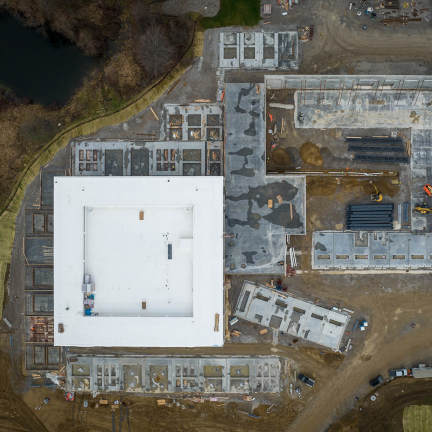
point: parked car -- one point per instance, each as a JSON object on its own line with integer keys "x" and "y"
{"x": 401, "y": 372}
{"x": 233, "y": 320}
{"x": 361, "y": 324}
{"x": 308, "y": 381}
{"x": 376, "y": 381}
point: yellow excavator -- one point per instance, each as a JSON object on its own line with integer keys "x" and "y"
{"x": 376, "y": 195}
{"x": 423, "y": 209}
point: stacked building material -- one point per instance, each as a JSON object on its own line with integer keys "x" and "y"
{"x": 369, "y": 217}
{"x": 375, "y": 148}
{"x": 378, "y": 149}
{"x": 390, "y": 4}
{"x": 382, "y": 159}
{"x": 375, "y": 140}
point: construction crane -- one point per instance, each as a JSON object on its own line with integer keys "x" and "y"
{"x": 376, "y": 195}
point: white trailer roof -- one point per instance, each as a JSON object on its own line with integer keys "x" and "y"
{"x": 153, "y": 249}
{"x": 422, "y": 372}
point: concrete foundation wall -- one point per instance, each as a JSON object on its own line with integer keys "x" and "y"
{"x": 149, "y": 375}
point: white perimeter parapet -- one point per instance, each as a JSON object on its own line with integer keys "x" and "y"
{"x": 143, "y": 256}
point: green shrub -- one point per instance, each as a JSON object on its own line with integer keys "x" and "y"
{"x": 235, "y": 13}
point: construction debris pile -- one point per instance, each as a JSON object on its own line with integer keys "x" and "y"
{"x": 392, "y": 11}
{"x": 287, "y": 4}
{"x": 369, "y": 217}
{"x": 306, "y": 33}
{"x": 40, "y": 329}
{"x": 383, "y": 149}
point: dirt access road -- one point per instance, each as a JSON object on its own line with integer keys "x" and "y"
{"x": 15, "y": 414}
{"x": 391, "y": 304}
{"x": 191, "y": 416}
{"x": 398, "y": 308}
{"x": 341, "y": 46}
{"x": 386, "y": 413}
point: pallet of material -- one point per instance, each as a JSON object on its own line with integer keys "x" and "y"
{"x": 368, "y": 148}
{"x": 369, "y": 217}
{"x": 373, "y": 207}
{"x": 386, "y": 140}
{"x": 381, "y": 159}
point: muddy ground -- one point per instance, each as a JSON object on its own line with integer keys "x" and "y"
{"x": 397, "y": 307}
{"x": 386, "y": 412}
{"x": 15, "y": 414}
{"x": 143, "y": 414}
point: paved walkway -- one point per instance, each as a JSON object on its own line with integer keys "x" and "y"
{"x": 206, "y": 8}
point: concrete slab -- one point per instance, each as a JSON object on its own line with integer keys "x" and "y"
{"x": 38, "y": 221}
{"x": 39, "y": 303}
{"x": 363, "y": 109}
{"x": 289, "y": 314}
{"x": 259, "y": 50}
{"x": 382, "y": 250}
{"x": 153, "y": 158}
{"x": 151, "y": 374}
{"x": 42, "y": 276}
{"x": 114, "y": 162}
{"x": 359, "y": 101}
{"x": 139, "y": 162}
{"x": 42, "y": 357}
{"x": 421, "y": 174}
{"x": 47, "y": 186}
{"x": 256, "y": 232}
{"x": 346, "y": 84}
{"x": 192, "y": 122}
{"x": 39, "y": 250}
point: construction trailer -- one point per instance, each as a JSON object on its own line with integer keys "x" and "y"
{"x": 422, "y": 371}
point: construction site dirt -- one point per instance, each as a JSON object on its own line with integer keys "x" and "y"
{"x": 383, "y": 409}
{"x": 399, "y": 301}
{"x": 397, "y": 306}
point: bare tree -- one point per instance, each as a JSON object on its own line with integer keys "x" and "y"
{"x": 155, "y": 51}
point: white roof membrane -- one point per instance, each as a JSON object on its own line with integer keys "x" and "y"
{"x": 151, "y": 251}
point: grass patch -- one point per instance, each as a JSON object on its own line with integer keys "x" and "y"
{"x": 417, "y": 418}
{"x": 4, "y": 275}
{"x": 234, "y": 13}
{"x": 113, "y": 100}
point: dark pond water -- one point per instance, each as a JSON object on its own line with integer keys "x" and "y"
{"x": 46, "y": 70}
